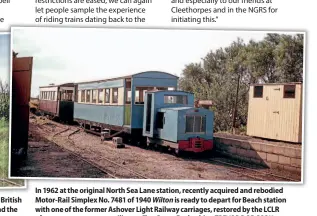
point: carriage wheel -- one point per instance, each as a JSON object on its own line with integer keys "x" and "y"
{"x": 102, "y": 138}
{"x": 177, "y": 152}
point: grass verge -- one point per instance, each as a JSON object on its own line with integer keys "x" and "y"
{"x": 4, "y": 154}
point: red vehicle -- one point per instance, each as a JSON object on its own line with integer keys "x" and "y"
{"x": 57, "y": 101}
{"x": 21, "y": 90}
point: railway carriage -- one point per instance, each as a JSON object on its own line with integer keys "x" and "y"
{"x": 117, "y": 104}
{"x": 113, "y": 106}
{"x": 57, "y": 101}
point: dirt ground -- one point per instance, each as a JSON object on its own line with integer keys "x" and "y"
{"x": 57, "y": 150}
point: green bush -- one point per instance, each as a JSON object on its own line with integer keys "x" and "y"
{"x": 4, "y": 141}
{"x": 4, "y": 106}
{"x": 4, "y": 100}
{"x": 4, "y": 128}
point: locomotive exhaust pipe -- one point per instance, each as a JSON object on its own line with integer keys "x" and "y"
{"x": 203, "y": 104}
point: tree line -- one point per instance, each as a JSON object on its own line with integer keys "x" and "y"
{"x": 224, "y": 75}
{"x": 5, "y": 97}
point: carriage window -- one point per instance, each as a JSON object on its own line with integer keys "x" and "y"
{"x": 128, "y": 96}
{"x": 195, "y": 124}
{"x": 115, "y": 95}
{"x": 107, "y": 96}
{"x": 67, "y": 95}
{"x": 258, "y": 92}
{"x": 162, "y": 88}
{"x": 87, "y": 96}
{"x": 175, "y": 99}
{"x": 75, "y": 96}
{"x": 94, "y": 96}
{"x": 148, "y": 113}
{"x": 137, "y": 96}
{"x": 82, "y": 96}
{"x": 140, "y": 94}
{"x": 289, "y": 91}
{"x": 100, "y": 96}
{"x": 53, "y": 97}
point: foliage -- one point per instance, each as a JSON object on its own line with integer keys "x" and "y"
{"x": 224, "y": 75}
{"x": 4, "y": 100}
{"x": 4, "y": 138}
{"x": 4, "y": 128}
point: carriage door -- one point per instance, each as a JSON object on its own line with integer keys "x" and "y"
{"x": 148, "y": 115}
{"x": 21, "y": 88}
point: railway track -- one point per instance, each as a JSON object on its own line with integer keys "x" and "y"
{"x": 253, "y": 173}
{"x": 69, "y": 131}
{"x": 9, "y": 183}
{"x": 94, "y": 164}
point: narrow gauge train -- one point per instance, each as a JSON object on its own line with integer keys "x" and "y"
{"x": 57, "y": 101}
{"x": 147, "y": 107}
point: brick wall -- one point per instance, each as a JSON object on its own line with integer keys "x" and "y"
{"x": 269, "y": 154}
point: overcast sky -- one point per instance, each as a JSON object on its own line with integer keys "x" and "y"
{"x": 4, "y": 57}
{"x": 78, "y": 54}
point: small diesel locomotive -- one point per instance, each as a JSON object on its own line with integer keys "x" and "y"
{"x": 170, "y": 119}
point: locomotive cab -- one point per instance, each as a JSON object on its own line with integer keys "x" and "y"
{"x": 170, "y": 119}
